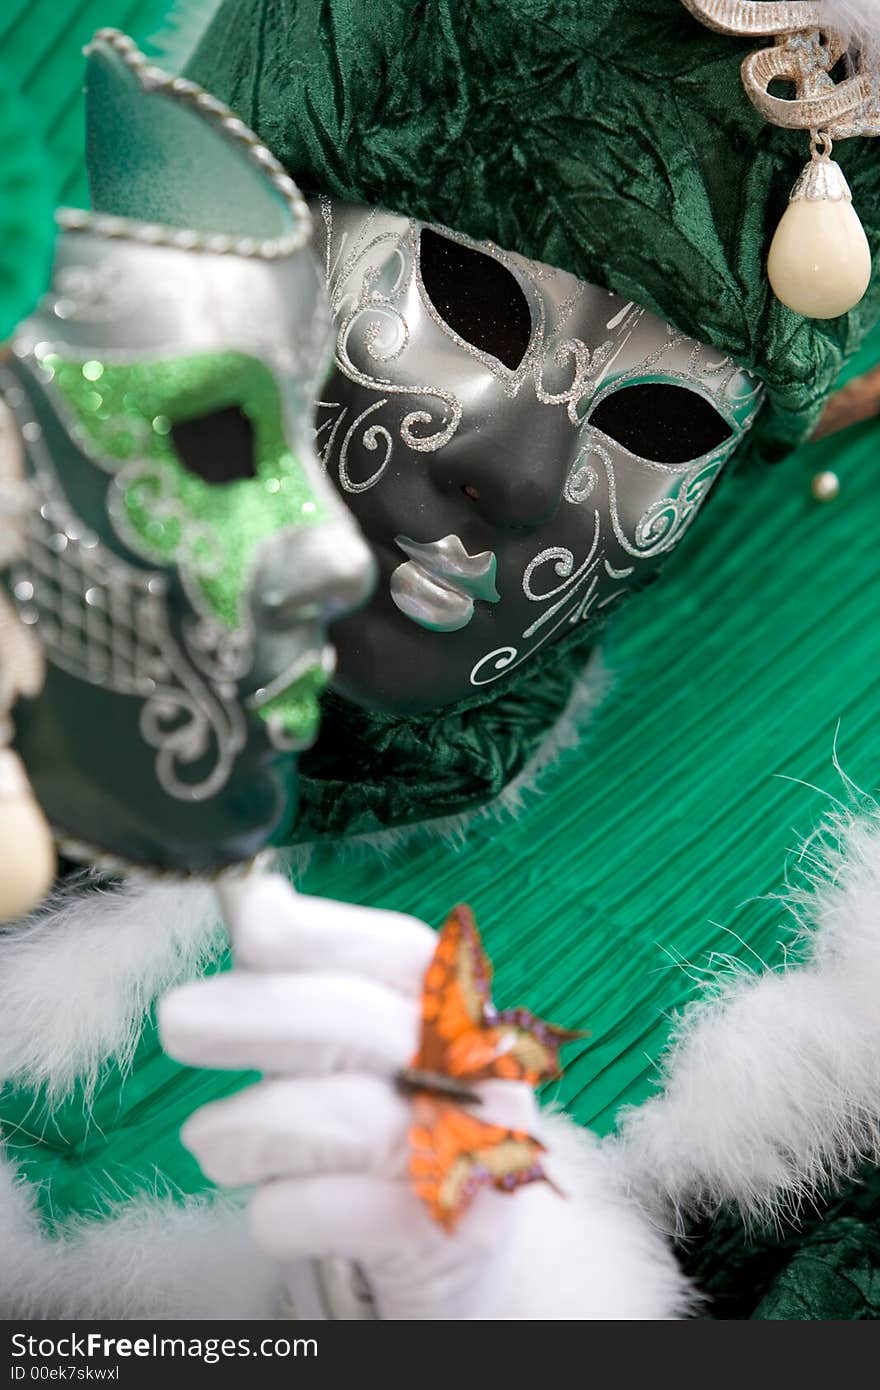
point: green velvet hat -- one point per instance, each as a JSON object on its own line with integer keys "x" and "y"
{"x": 610, "y": 138}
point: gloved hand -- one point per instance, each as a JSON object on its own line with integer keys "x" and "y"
{"x": 324, "y": 1000}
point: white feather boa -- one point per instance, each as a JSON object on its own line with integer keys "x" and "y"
{"x": 592, "y": 1256}
{"x": 79, "y": 975}
{"x": 772, "y": 1081}
{"x": 771, "y": 1090}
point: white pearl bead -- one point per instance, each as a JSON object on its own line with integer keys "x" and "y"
{"x": 820, "y": 260}
{"x": 825, "y": 486}
{"x": 27, "y": 854}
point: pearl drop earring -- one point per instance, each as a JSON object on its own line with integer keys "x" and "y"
{"x": 820, "y": 261}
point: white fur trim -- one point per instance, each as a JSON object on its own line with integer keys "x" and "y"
{"x": 590, "y": 1253}
{"x": 77, "y": 978}
{"x": 772, "y": 1086}
{"x": 154, "y": 1259}
{"x": 854, "y": 19}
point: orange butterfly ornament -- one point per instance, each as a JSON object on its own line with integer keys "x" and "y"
{"x": 465, "y": 1039}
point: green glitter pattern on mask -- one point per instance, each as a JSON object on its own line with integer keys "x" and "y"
{"x": 296, "y": 709}
{"x": 209, "y": 531}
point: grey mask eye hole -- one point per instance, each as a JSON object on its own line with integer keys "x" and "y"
{"x": 218, "y": 447}
{"x": 476, "y": 296}
{"x": 661, "y": 421}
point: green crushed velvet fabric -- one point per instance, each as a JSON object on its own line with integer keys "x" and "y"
{"x": 829, "y": 1268}
{"x": 611, "y": 138}
{"x": 370, "y": 771}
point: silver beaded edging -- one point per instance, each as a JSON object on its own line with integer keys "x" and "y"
{"x": 211, "y": 109}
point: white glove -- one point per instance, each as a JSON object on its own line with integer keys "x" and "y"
{"x": 326, "y": 1005}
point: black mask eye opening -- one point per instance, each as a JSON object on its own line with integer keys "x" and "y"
{"x": 661, "y": 422}
{"x": 218, "y": 447}
{"x": 476, "y": 296}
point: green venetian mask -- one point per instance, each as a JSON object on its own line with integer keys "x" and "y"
{"x": 203, "y": 474}
{"x": 185, "y": 553}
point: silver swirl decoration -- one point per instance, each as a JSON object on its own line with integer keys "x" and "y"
{"x": 574, "y": 598}
{"x": 123, "y": 642}
{"x": 186, "y": 723}
{"x": 662, "y": 525}
{"x": 223, "y": 654}
{"x": 386, "y": 333}
{"x": 573, "y": 579}
{"x": 372, "y": 326}
{"x": 500, "y": 661}
{"x": 586, "y": 365}
{"x": 369, "y": 440}
{"x": 582, "y": 476}
{"x": 452, "y": 410}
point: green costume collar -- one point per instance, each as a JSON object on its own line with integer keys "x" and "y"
{"x": 369, "y": 771}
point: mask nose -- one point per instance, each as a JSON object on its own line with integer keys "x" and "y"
{"x": 311, "y": 575}
{"x": 515, "y": 477}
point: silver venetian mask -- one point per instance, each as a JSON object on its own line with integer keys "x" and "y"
{"x": 521, "y": 450}
{"x": 183, "y": 553}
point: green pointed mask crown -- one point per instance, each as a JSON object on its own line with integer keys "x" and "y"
{"x": 155, "y": 155}
{"x": 184, "y": 552}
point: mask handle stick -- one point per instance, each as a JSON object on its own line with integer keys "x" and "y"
{"x": 317, "y": 1290}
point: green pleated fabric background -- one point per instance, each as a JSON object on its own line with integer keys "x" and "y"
{"x": 41, "y": 45}
{"x": 667, "y": 830}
